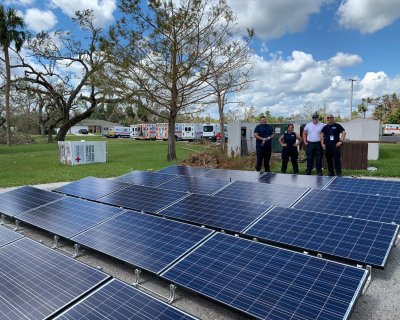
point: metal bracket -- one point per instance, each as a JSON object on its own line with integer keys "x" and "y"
{"x": 172, "y": 289}
{"x": 255, "y": 239}
{"x": 368, "y": 267}
{"x": 55, "y": 244}
{"x": 3, "y": 218}
{"x": 136, "y": 281}
{"x": 76, "y": 250}
{"x": 319, "y": 255}
{"x": 16, "y": 225}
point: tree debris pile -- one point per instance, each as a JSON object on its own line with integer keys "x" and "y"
{"x": 16, "y": 138}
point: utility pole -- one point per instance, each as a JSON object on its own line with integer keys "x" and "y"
{"x": 351, "y": 98}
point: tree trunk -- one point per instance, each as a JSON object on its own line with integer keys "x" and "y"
{"x": 171, "y": 138}
{"x": 221, "y": 121}
{"x": 41, "y": 122}
{"x": 8, "y": 90}
{"x": 50, "y": 135}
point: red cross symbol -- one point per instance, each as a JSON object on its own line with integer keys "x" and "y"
{"x": 77, "y": 159}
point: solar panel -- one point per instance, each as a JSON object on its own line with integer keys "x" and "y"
{"x": 191, "y": 184}
{"x": 13, "y": 203}
{"x": 146, "y": 241}
{"x": 142, "y": 198}
{"x": 185, "y": 170}
{"x": 220, "y": 213}
{"x": 36, "y": 282}
{"x": 8, "y": 236}
{"x": 230, "y": 175}
{"x": 269, "y": 283}
{"x": 69, "y": 216}
{"x": 361, "y": 206}
{"x": 278, "y": 195}
{"x": 117, "y": 300}
{"x": 295, "y": 180}
{"x": 368, "y": 186}
{"x": 145, "y": 178}
{"x": 91, "y": 188}
{"x": 361, "y": 241}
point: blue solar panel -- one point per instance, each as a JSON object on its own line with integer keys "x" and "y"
{"x": 295, "y": 180}
{"x": 91, "y": 188}
{"x": 220, "y": 213}
{"x": 36, "y": 282}
{"x": 184, "y": 170}
{"x": 361, "y": 241}
{"x": 117, "y": 300}
{"x": 69, "y": 216}
{"x": 142, "y": 198}
{"x": 269, "y": 283}
{"x": 191, "y": 184}
{"x": 277, "y": 195}
{"x": 230, "y": 175}
{"x": 368, "y": 186}
{"x": 145, "y": 178}
{"x": 7, "y": 236}
{"x": 146, "y": 241}
{"x": 361, "y": 206}
{"x": 13, "y": 203}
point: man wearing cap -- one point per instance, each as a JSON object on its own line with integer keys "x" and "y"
{"x": 332, "y": 137}
{"x": 312, "y": 141}
{"x": 263, "y": 133}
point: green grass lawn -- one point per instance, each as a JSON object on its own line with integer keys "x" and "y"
{"x": 39, "y": 163}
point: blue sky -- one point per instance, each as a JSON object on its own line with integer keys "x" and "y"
{"x": 304, "y": 52}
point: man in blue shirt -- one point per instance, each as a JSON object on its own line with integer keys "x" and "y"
{"x": 263, "y": 134}
{"x": 332, "y": 137}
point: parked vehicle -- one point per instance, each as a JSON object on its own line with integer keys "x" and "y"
{"x": 192, "y": 131}
{"x": 178, "y": 131}
{"x": 134, "y": 131}
{"x": 118, "y": 132}
{"x": 147, "y": 131}
{"x": 104, "y": 131}
{"x": 162, "y": 131}
{"x": 211, "y": 131}
{"x": 391, "y": 129}
{"x": 83, "y": 131}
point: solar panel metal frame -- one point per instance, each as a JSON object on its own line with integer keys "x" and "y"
{"x": 62, "y": 218}
{"x": 262, "y": 193}
{"x": 150, "y": 243}
{"x": 91, "y": 188}
{"x": 41, "y": 278}
{"x": 27, "y": 198}
{"x": 309, "y": 225}
{"x": 185, "y": 170}
{"x": 216, "y": 275}
{"x": 145, "y": 178}
{"x": 296, "y": 180}
{"x": 92, "y": 305}
{"x": 230, "y": 175}
{"x": 7, "y": 236}
{"x": 195, "y": 207}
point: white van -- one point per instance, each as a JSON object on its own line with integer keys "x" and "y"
{"x": 134, "y": 131}
{"x": 391, "y": 129}
{"x": 192, "y": 131}
{"x": 211, "y": 131}
{"x": 118, "y": 132}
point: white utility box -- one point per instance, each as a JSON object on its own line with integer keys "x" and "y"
{"x": 82, "y": 152}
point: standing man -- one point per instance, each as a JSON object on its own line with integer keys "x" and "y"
{"x": 312, "y": 141}
{"x": 263, "y": 134}
{"x": 332, "y": 137}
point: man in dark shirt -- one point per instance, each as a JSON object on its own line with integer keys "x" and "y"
{"x": 263, "y": 134}
{"x": 332, "y": 137}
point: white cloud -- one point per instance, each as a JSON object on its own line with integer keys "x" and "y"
{"x": 103, "y": 9}
{"x": 368, "y": 16}
{"x": 38, "y": 20}
{"x": 274, "y": 18}
{"x": 341, "y": 60}
{"x": 19, "y": 2}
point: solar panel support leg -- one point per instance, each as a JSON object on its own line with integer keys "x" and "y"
{"x": 76, "y": 250}
{"x": 396, "y": 242}
{"x": 16, "y": 225}
{"x": 3, "y": 217}
{"x": 55, "y": 244}
{"x": 136, "y": 281}
{"x": 172, "y": 289}
{"x": 368, "y": 280}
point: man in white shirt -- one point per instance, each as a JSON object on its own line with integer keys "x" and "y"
{"x": 312, "y": 141}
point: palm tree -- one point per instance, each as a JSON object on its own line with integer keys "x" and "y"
{"x": 10, "y": 22}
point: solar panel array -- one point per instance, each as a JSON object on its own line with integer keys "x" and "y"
{"x": 117, "y": 300}
{"x": 361, "y": 241}
{"x": 184, "y": 170}
{"x": 69, "y": 216}
{"x": 145, "y": 178}
{"x": 295, "y": 180}
{"x": 142, "y": 198}
{"x": 224, "y": 214}
{"x": 7, "y": 236}
{"x": 367, "y": 186}
{"x": 146, "y": 241}
{"x": 278, "y": 195}
{"x": 361, "y": 206}
{"x": 91, "y": 188}
{"x": 230, "y": 175}
{"x": 269, "y": 283}
{"x": 36, "y": 282}
{"x": 13, "y": 203}
{"x": 198, "y": 185}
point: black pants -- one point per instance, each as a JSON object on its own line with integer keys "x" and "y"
{"x": 314, "y": 151}
{"x": 332, "y": 155}
{"x": 293, "y": 154}
{"x": 263, "y": 153}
